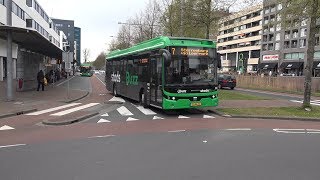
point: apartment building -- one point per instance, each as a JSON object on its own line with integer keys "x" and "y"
{"x": 284, "y": 49}
{"x": 239, "y": 40}
{"x": 36, "y": 41}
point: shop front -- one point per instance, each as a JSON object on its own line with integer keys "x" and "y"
{"x": 291, "y": 69}
{"x": 316, "y": 68}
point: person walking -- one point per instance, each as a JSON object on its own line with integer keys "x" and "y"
{"x": 40, "y": 78}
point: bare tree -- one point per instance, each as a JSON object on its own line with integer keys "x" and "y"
{"x": 86, "y": 54}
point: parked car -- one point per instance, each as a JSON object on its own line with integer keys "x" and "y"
{"x": 226, "y": 80}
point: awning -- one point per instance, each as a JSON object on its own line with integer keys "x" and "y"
{"x": 316, "y": 65}
{"x": 31, "y": 40}
{"x": 291, "y": 65}
{"x": 267, "y": 65}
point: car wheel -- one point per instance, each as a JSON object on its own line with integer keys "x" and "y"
{"x": 232, "y": 88}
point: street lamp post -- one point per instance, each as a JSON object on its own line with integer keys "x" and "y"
{"x": 9, "y": 53}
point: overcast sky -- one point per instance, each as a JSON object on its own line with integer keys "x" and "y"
{"x": 98, "y": 19}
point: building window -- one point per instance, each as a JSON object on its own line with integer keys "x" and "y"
{"x": 303, "y": 32}
{"x": 264, "y": 47}
{"x": 295, "y": 33}
{"x": 271, "y": 28}
{"x": 29, "y": 3}
{"x": 317, "y": 41}
{"x": 294, "y": 44}
{"x": 278, "y": 27}
{"x": 266, "y": 20}
{"x": 294, "y": 56}
{"x": 303, "y": 43}
{"x": 317, "y": 55}
{"x": 271, "y": 37}
{"x": 278, "y": 37}
{"x": 277, "y": 46}
{"x": 287, "y": 34}
{"x": 266, "y": 10}
{"x": 279, "y": 6}
{"x": 304, "y": 22}
{"x": 286, "y": 45}
{"x": 278, "y": 17}
{"x": 270, "y": 47}
{"x": 68, "y": 25}
{"x": 265, "y": 38}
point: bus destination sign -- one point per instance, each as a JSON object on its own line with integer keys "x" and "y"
{"x": 185, "y": 51}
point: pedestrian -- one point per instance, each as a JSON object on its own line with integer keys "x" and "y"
{"x": 40, "y": 78}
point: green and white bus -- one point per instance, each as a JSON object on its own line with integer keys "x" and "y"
{"x": 86, "y": 70}
{"x": 166, "y": 72}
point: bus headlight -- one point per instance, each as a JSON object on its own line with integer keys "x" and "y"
{"x": 213, "y": 96}
{"x": 173, "y": 98}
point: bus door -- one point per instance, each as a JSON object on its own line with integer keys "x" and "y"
{"x": 156, "y": 80}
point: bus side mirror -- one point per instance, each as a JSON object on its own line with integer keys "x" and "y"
{"x": 167, "y": 57}
{"x": 219, "y": 60}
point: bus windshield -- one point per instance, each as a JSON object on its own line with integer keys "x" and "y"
{"x": 190, "y": 70}
{"x": 85, "y": 69}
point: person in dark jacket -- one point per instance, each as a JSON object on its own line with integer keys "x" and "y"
{"x": 40, "y": 78}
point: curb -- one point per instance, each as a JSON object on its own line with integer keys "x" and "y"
{"x": 265, "y": 117}
{"x": 68, "y": 122}
{"x": 77, "y": 99}
{"x": 17, "y": 113}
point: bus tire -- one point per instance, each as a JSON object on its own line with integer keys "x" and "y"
{"x": 114, "y": 91}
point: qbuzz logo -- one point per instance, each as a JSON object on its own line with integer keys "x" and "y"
{"x": 131, "y": 80}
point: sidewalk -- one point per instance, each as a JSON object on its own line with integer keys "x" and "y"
{"x": 32, "y": 100}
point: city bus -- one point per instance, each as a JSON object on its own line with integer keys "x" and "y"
{"x": 86, "y": 70}
{"x": 166, "y": 72}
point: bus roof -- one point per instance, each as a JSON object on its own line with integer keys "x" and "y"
{"x": 162, "y": 42}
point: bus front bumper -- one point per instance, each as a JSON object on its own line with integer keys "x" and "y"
{"x": 186, "y": 103}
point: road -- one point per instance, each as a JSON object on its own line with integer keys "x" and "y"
{"x": 219, "y": 154}
{"x": 126, "y": 141}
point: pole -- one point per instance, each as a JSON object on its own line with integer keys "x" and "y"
{"x": 9, "y": 53}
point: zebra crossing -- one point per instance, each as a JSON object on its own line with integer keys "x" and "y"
{"x": 131, "y": 112}
{"x": 314, "y": 102}
{"x": 64, "y": 109}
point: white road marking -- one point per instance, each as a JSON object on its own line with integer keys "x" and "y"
{"x": 124, "y": 111}
{"x": 52, "y": 109}
{"x": 5, "y": 127}
{"x": 239, "y": 129}
{"x": 156, "y": 117}
{"x": 117, "y": 99}
{"x": 204, "y": 141}
{"x": 103, "y": 121}
{"x": 207, "y": 117}
{"x": 132, "y": 119}
{"x": 13, "y": 145}
{"x": 183, "y": 117}
{"x": 105, "y": 115}
{"x": 100, "y": 80}
{"x": 101, "y": 136}
{"x": 317, "y": 130}
{"x": 74, "y": 109}
{"x": 290, "y": 131}
{"x": 146, "y": 111}
{"x": 176, "y": 131}
{"x": 316, "y": 102}
{"x": 65, "y": 81}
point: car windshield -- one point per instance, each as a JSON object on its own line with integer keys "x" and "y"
{"x": 190, "y": 70}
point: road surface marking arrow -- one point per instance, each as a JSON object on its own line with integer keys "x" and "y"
{"x": 132, "y": 119}
{"x": 103, "y": 121}
{"x": 183, "y": 117}
{"x": 5, "y": 127}
{"x": 208, "y": 117}
{"x": 156, "y": 117}
{"x": 105, "y": 115}
{"x": 117, "y": 99}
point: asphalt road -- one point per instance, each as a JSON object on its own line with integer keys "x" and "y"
{"x": 217, "y": 154}
{"x": 78, "y": 83}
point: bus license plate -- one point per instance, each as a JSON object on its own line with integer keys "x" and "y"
{"x": 196, "y": 104}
